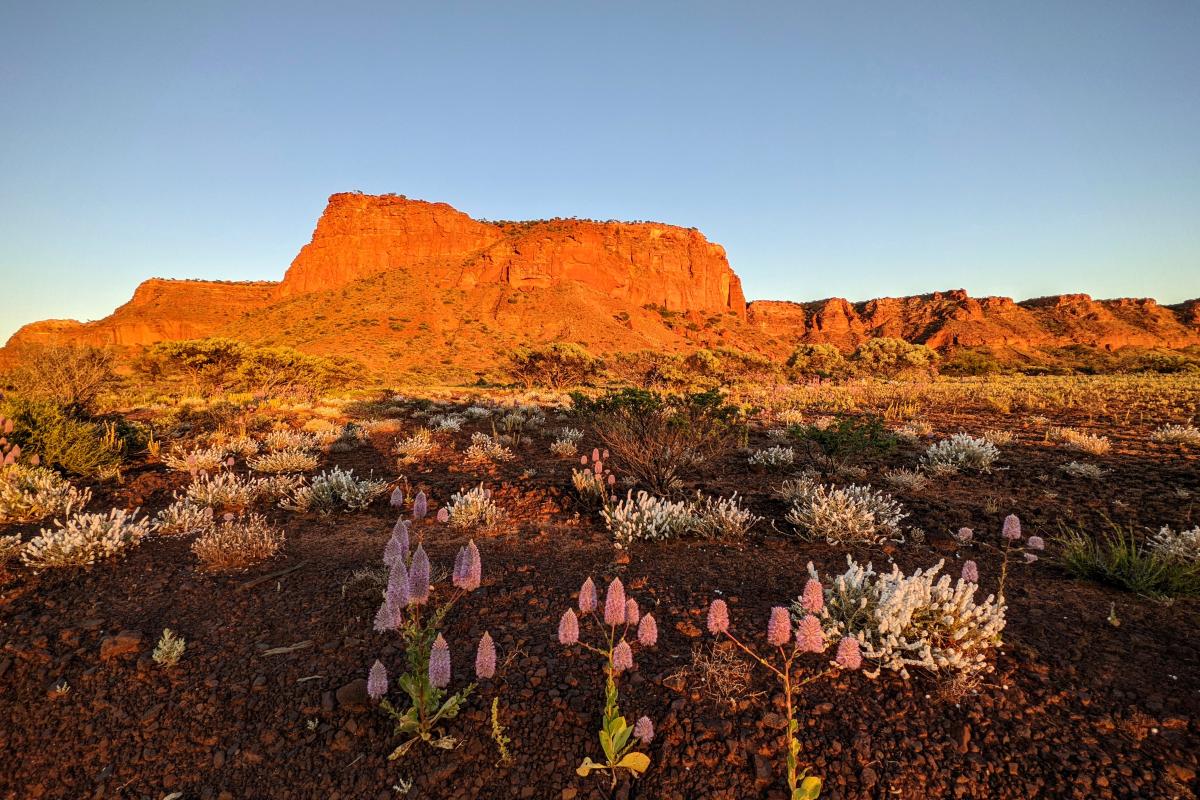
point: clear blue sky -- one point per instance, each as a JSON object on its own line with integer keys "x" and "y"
{"x": 849, "y": 149}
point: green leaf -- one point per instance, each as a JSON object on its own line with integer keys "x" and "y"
{"x": 621, "y": 735}
{"x": 637, "y": 762}
{"x": 606, "y": 744}
{"x": 810, "y": 789}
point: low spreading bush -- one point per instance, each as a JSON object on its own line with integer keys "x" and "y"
{"x": 416, "y": 445}
{"x": 31, "y": 494}
{"x": 485, "y": 450}
{"x": 1182, "y": 546}
{"x": 842, "y": 515}
{"x": 335, "y": 489}
{"x": 236, "y": 543}
{"x": 1117, "y": 557}
{"x": 835, "y": 445}
{"x": 228, "y": 491}
{"x": 284, "y": 461}
{"x": 557, "y": 365}
{"x": 1092, "y": 443}
{"x": 720, "y": 517}
{"x": 645, "y": 517}
{"x": 183, "y": 517}
{"x": 84, "y": 539}
{"x": 473, "y": 507}
{"x": 64, "y": 440}
{"x": 1177, "y": 434}
{"x": 197, "y": 460}
{"x": 961, "y": 452}
{"x": 773, "y": 457}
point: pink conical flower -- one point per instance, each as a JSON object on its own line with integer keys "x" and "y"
{"x": 970, "y": 571}
{"x": 604, "y": 455}
{"x": 439, "y": 663}
{"x": 587, "y": 596}
{"x": 813, "y": 599}
{"x": 1012, "y": 527}
{"x": 632, "y": 612}
{"x": 598, "y": 468}
{"x": 443, "y": 514}
{"x": 718, "y": 617}
{"x": 583, "y": 460}
{"x": 397, "y": 546}
{"x": 809, "y": 636}
{"x": 460, "y": 567}
{"x": 1036, "y": 543}
{"x": 1030, "y": 558}
{"x": 568, "y": 627}
{"x": 643, "y": 729}
{"x": 612, "y": 479}
{"x": 398, "y": 586}
{"x": 779, "y": 627}
{"x": 420, "y": 506}
{"x": 377, "y": 681}
{"x": 965, "y": 535}
{"x": 397, "y": 498}
{"x": 614, "y": 603}
{"x": 622, "y": 657}
{"x": 473, "y": 576}
{"x": 849, "y": 654}
{"x": 648, "y": 631}
{"x": 485, "y": 657}
{"x": 385, "y": 617}
{"x": 418, "y": 578}
{"x": 595, "y": 454}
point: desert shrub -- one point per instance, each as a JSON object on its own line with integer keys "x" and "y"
{"x": 720, "y": 517}
{"x": 284, "y": 461}
{"x": 777, "y": 457}
{"x": 485, "y": 450}
{"x": 961, "y": 452}
{"x": 473, "y": 507}
{"x": 842, "y": 515}
{"x": 1116, "y": 557}
{"x": 169, "y": 649}
{"x": 69, "y": 376}
{"x": 30, "y": 494}
{"x": 836, "y": 444}
{"x": 237, "y": 543}
{"x": 726, "y": 366}
{"x": 904, "y": 621}
{"x": 10, "y": 548}
{"x": 416, "y": 445}
{"x": 1182, "y": 546}
{"x": 195, "y": 461}
{"x": 1177, "y": 434}
{"x": 447, "y": 423}
{"x": 229, "y": 491}
{"x": 558, "y": 365}
{"x": 964, "y": 363}
{"x": 564, "y": 448}
{"x": 645, "y": 517}
{"x": 514, "y": 423}
{"x": 84, "y": 539}
{"x": 648, "y": 369}
{"x": 290, "y": 440}
{"x": 73, "y": 444}
{"x": 213, "y": 366}
{"x": 910, "y": 480}
{"x": 818, "y": 361}
{"x": 657, "y": 438}
{"x": 1000, "y": 438}
{"x": 1092, "y": 443}
{"x": 182, "y": 517}
{"x": 892, "y": 358}
{"x": 1077, "y": 470}
{"x": 335, "y": 489}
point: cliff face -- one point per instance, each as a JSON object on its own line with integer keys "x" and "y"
{"x": 400, "y": 283}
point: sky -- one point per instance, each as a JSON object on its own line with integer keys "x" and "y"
{"x": 852, "y": 149}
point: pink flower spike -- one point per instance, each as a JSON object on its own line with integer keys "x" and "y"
{"x": 1036, "y": 543}
{"x": 439, "y": 663}
{"x": 418, "y": 578}
{"x": 377, "y": 681}
{"x": 648, "y": 631}
{"x": 965, "y": 535}
{"x": 718, "y": 617}
{"x": 460, "y": 567}
{"x": 474, "y": 566}
{"x": 604, "y": 455}
{"x": 612, "y": 479}
{"x": 643, "y": 729}
{"x": 970, "y": 572}
{"x": 420, "y": 506}
{"x": 595, "y": 454}
{"x": 443, "y": 515}
{"x": 384, "y": 617}
{"x": 809, "y": 636}
{"x": 622, "y": 657}
{"x": 485, "y": 657}
{"x": 397, "y": 588}
{"x": 1012, "y": 527}
{"x": 614, "y": 603}
{"x": 397, "y": 498}
{"x": 587, "y": 596}
{"x": 813, "y": 599}
{"x": 568, "y": 627}
{"x": 583, "y": 460}
{"x": 1030, "y": 558}
{"x": 779, "y": 627}
{"x": 632, "y": 612}
{"x": 849, "y": 654}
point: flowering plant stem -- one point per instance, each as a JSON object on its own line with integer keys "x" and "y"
{"x": 802, "y": 785}
{"x": 616, "y": 738}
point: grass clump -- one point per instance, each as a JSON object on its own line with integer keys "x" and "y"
{"x": 237, "y": 543}
{"x": 30, "y": 494}
{"x": 1117, "y": 558}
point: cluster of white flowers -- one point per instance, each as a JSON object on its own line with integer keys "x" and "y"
{"x": 30, "y": 494}
{"x": 914, "y": 430}
{"x": 910, "y": 480}
{"x": 477, "y": 412}
{"x": 334, "y": 489}
{"x": 773, "y": 457}
{"x": 720, "y": 517}
{"x": 240, "y": 445}
{"x": 919, "y": 620}
{"x": 778, "y": 433}
{"x": 182, "y": 517}
{"x": 790, "y": 416}
{"x": 1092, "y": 443}
{"x": 850, "y": 514}
{"x": 1077, "y": 470}
{"x": 1177, "y": 434}
{"x": 1169, "y": 545}
{"x": 447, "y": 422}
{"x": 646, "y": 517}
{"x": 473, "y": 507}
{"x": 291, "y": 440}
{"x": 84, "y": 539}
{"x": 417, "y": 445}
{"x": 201, "y": 459}
{"x": 564, "y": 448}
{"x": 229, "y": 490}
{"x": 484, "y": 449}
{"x": 961, "y": 451}
{"x": 236, "y": 543}
{"x": 283, "y": 461}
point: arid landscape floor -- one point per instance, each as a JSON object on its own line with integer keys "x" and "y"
{"x": 1095, "y": 694}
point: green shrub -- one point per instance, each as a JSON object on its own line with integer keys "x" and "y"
{"x": 818, "y": 361}
{"x": 970, "y": 363}
{"x": 892, "y": 358}
{"x": 558, "y": 365}
{"x": 79, "y": 446}
{"x": 214, "y": 366}
{"x": 72, "y": 376}
{"x": 1117, "y": 558}
{"x": 850, "y": 438}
